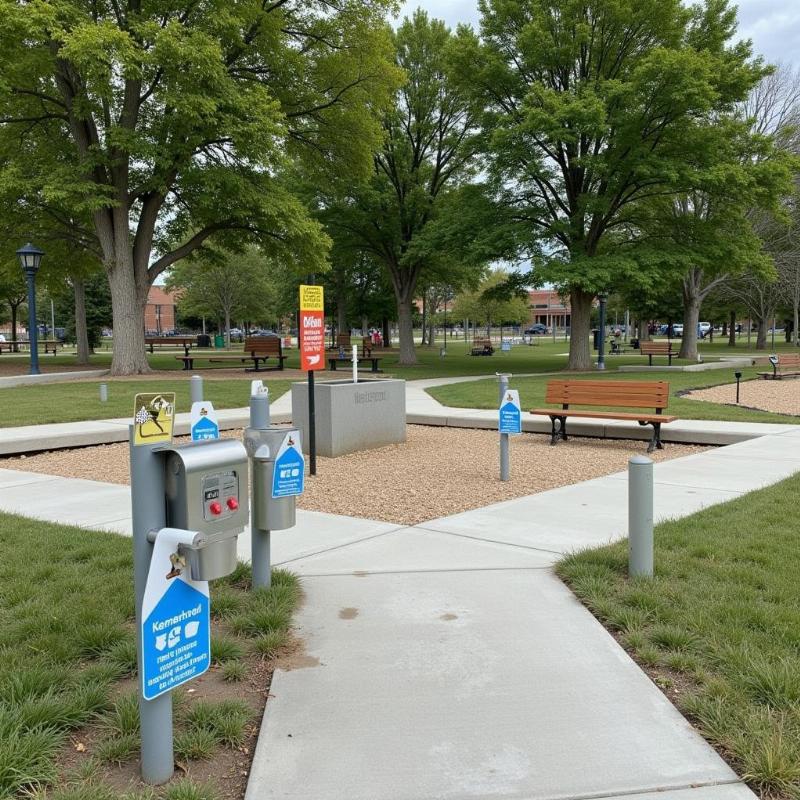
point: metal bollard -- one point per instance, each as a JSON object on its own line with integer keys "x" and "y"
{"x": 640, "y": 517}
{"x": 196, "y": 389}
{"x": 259, "y": 538}
{"x": 505, "y": 467}
{"x": 103, "y": 392}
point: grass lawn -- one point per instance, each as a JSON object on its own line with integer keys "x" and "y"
{"x": 67, "y": 657}
{"x": 718, "y": 627}
{"x": 80, "y": 400}
{"x": 483, "y": 394}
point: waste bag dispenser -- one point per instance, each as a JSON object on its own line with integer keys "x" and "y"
{"x": 278, "y": 475}
{"x": 206, "y": 491}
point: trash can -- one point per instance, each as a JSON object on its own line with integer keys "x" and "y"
{"x": 219, "y": 341}
{"x": 595, "y": 338}
{"x": 203, "y": 340}
{"x": 635, "y": 344}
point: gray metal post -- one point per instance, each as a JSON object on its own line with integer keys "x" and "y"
{"x": 640, "y": 516}
{"x": 259, "y": 538}
{"x": 505, "y": 467}
{"x": 147, "y": 501}
{"x": 103, "y": 392}
{"x": 196, "y": 389}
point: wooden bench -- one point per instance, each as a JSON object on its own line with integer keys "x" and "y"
{"x": 622, "y": 394}
{"x": 482, "y": 347}
{"x": 784, "y": 366}
{"x": 344, "y": 345}
{"x": 374, "y": 360}
{"x": 651, "y": 349}
{"x": 48, "y": 345}
{"x": 258, "y": 349}
{"x": 185, "y": 342}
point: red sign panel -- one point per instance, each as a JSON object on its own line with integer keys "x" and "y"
{"x": 312, "y": 328}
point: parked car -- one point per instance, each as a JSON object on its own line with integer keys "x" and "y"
{"x": 677, "y": 329}
{"x": 704, "y": 328}
{"x": 536, "y": 330}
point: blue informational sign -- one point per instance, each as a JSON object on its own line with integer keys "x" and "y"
{"x": 288, "y": 478}
{"x": 176, "y": 619}
{"x": 203, "y": 421}
{"x": 510, "y": 413}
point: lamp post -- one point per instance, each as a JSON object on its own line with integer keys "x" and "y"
{"x": 29, "y": 259}
{"x": 738, "y": 376}
{"x": 601, "y": 338}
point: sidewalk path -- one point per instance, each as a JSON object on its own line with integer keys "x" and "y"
{"x": 447, "y": 661}
{"x": 421, "y": 409}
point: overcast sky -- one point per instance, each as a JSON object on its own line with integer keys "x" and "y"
{"x": 773, "y": 25}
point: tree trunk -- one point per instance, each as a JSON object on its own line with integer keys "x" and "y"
{"x": 14, "y": 312}
{"x": 128, "y": 299}
{"x": 796, "y": 323}
{"x": 691, "y": 318}
{"x": 424, "y": 340}
{"x": 81, "y": 331}
{"x": 761, "y": 337}
{"x": 408, "y": 356}
{"x": 732, "y": 331}
{"x": 341, "y": 310}
{"x": 228, "y": 328}
{"x": 643, "y": 328}
{"x": 580, "y": 355}
{"x": 724, "y": 328}
{"x": 387, "y": 333}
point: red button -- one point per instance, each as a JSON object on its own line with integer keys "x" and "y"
{"x": 215, "y": 509}
{"x": 232, "y": 503}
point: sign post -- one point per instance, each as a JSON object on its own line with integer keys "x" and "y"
{"x": 509, "y": 423}
{"x": 312, "y": 353}
{"x": 152, "y": 427}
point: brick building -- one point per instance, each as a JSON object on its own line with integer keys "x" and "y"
{"x": 548, "y": 308}
{"x": 159, "y": 313}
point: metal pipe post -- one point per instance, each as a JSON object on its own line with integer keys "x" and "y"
{"x": 259, "y": 538}
{"x": 312, "y": 426}
{"x": 33, "y": 328}
{"x": 196, "y": 389}
{"x": 640, "y": 517}
{"x": 505, "y": 467}
{"x": 147, "y": 502}
{"x": 103, "y": 392}
{"x": 601, "y": 335}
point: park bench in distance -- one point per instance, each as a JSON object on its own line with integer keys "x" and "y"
{"x": 258, "y": 349}
{"x": 787, "y": 366}
{"x": 348, "y": 359}
{"x": 185, "y": 342}
{"x": 651, "y": 349}
{"x": 623, "y": 394}
{"x": 482, "y": 347}
{"x": 48, "y": 345}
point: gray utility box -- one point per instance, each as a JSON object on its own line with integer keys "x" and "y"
{"x": 352, "y": 416}
{"x": 262, "y": 445}
{"x": 206, "y": 491}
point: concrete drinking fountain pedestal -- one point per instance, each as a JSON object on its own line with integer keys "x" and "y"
{"x": 352, "y": 416}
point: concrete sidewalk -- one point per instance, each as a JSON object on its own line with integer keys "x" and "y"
{"x": 421, "y": 409}
{"x": 447, "y": 661}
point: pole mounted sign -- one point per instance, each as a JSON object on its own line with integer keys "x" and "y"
{"x": 510, "y": 413}
{"x": 153, "y": 415}
{"x": 176, "y": 619}
{"x": 289, "y": 474}
{"x": 204, "y": 422}
{"x": 312, "y": 328}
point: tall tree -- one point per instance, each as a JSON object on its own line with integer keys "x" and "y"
{"x": 594, "y": 106}
{"x": 406, "y": 216}
{"x": 170, "y": 124}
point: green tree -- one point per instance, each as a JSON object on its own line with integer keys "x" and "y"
{"x": 592, "y": 107}
{"x": 13, "y": 291}
{"x": 173, "y": 124}
{"x": 225, "y": 286}
{"x": 494, "y": 301}
{"x": 417, "y": 208}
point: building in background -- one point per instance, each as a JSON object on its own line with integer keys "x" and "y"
{"x": 548, "y": 308}
{"x": 159, "y": 313}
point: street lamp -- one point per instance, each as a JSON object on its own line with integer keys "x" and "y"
{"x": 29, "y": 259}
{"x": 601, "y": 337}
{"x": 738, "y": 376}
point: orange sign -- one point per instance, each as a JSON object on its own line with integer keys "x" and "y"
{"x": 312, "y": 328}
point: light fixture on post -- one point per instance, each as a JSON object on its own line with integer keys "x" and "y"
{"x": 601, "y": 334}
{"x": 30, "y": 258}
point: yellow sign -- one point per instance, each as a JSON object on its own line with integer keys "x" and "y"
{"x": 311, "y": 298}
{"x": 153, "y": 415}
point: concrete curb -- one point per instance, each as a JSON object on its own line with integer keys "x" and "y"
{"x": 49, "y": 377}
